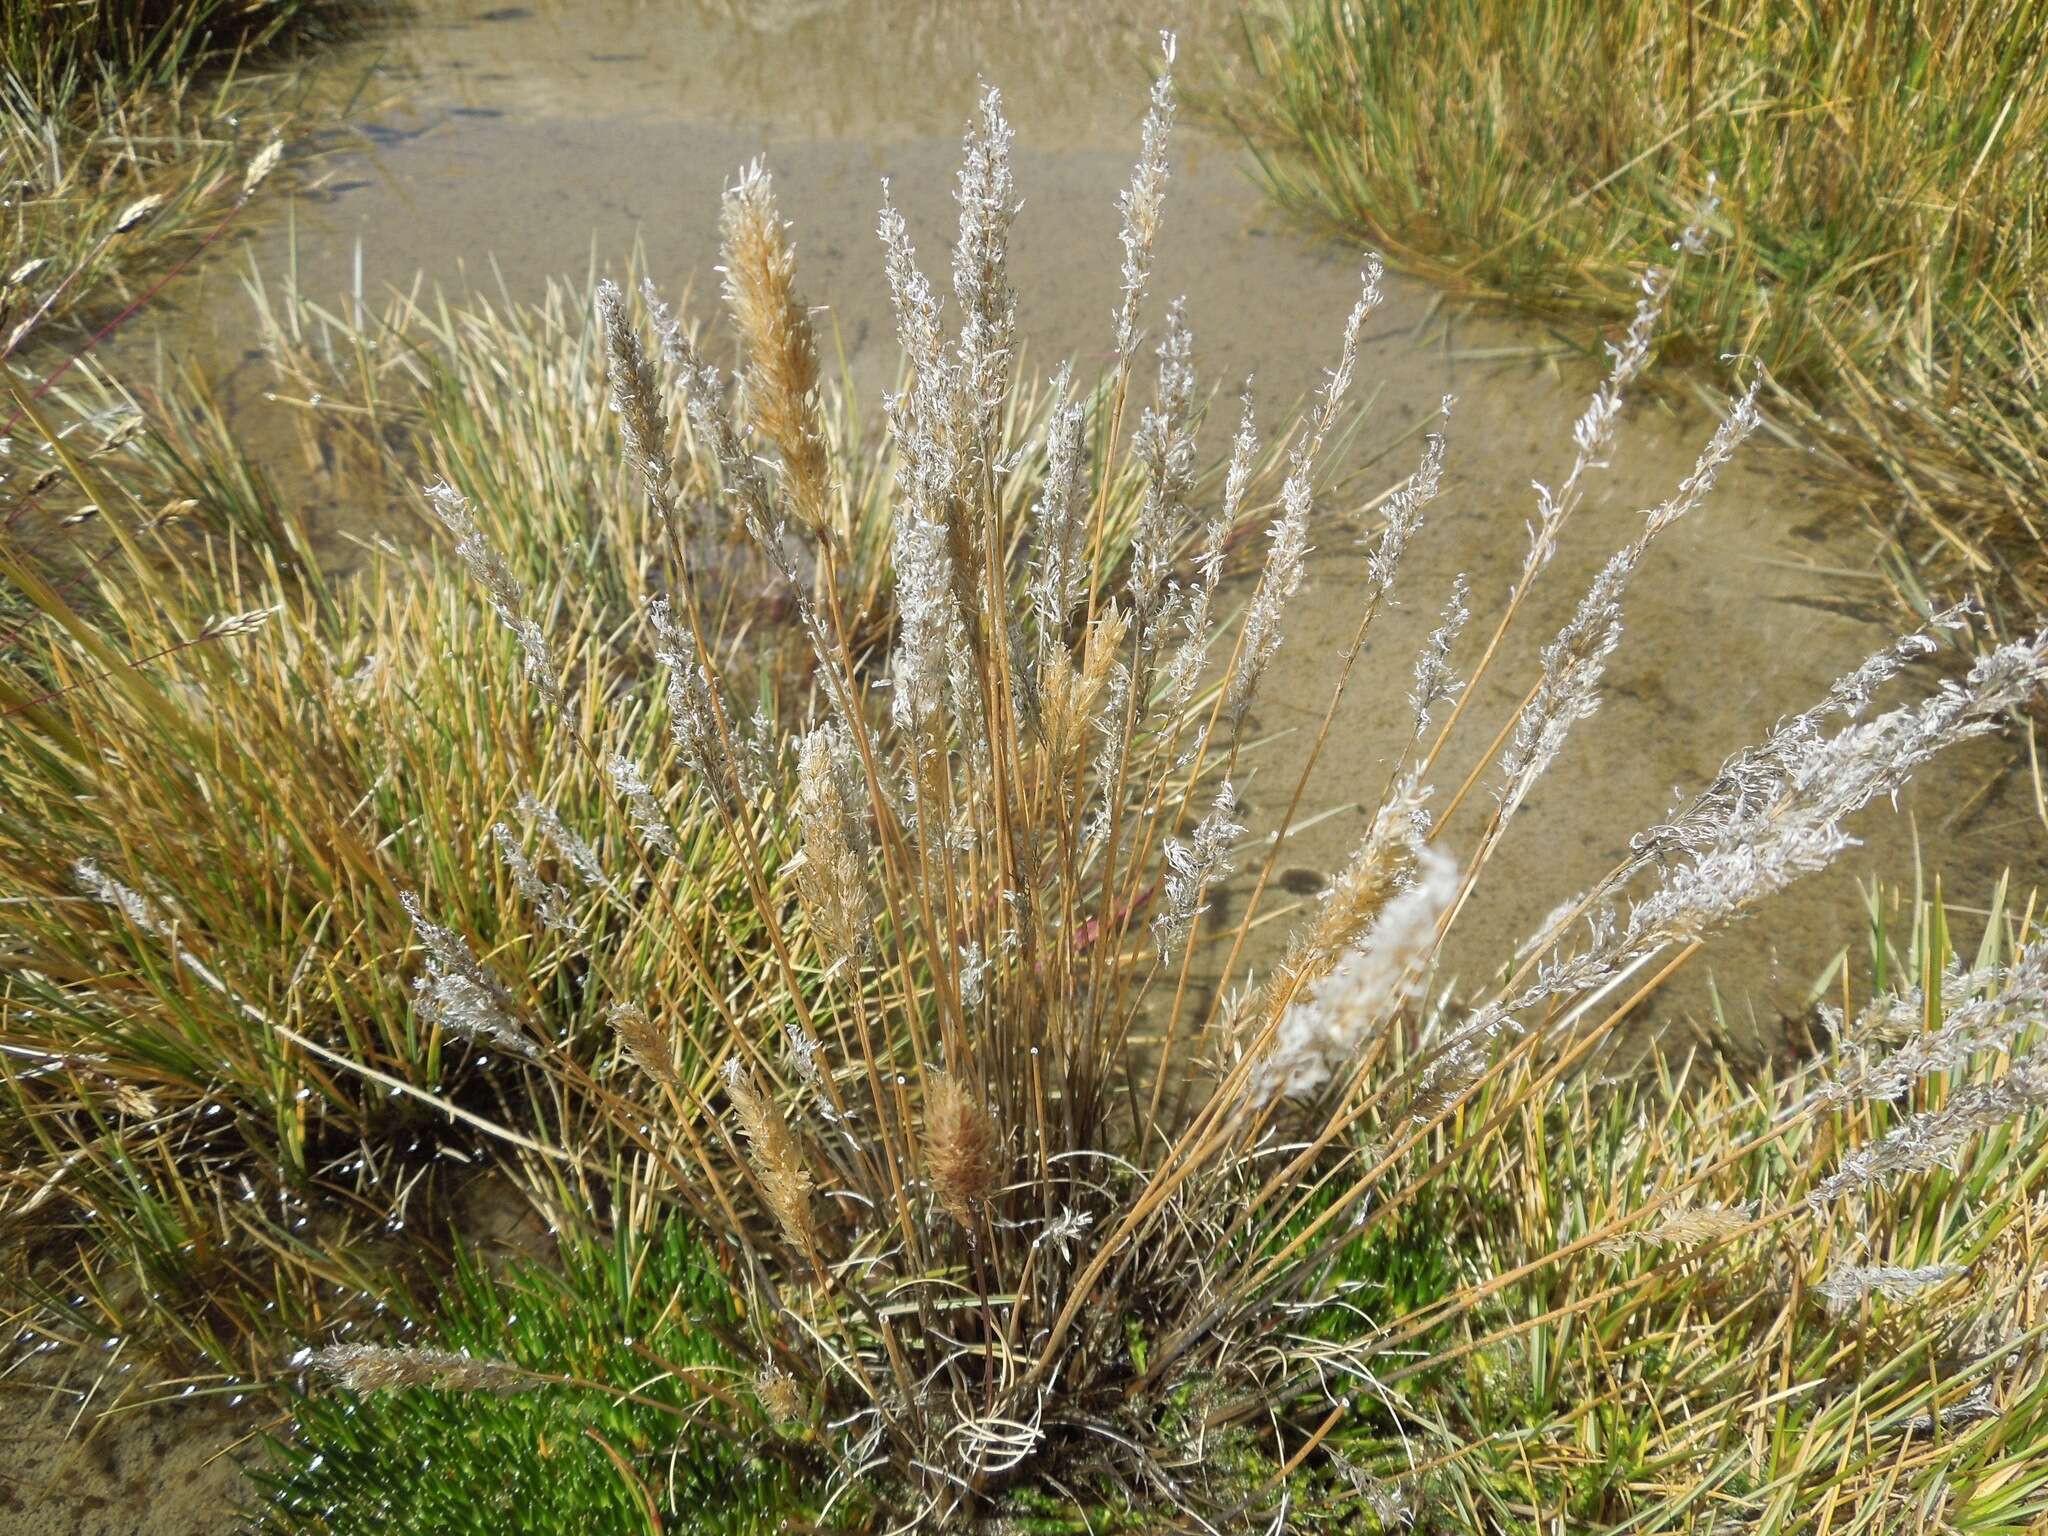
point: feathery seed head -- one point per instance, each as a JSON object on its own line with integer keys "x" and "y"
{"x": 456, "y": 993}
{"x": 636, "y": 399}
{"x": 367, "y": 1368}
{"x": 1143, "y": 203}
{"x": 645, "y": 1042}
{"x": 1847, "y": 1284}
{"x": 778, "y": 1160}
{"x": 963, "y": 1148}
{"x": 1323, "y": 1030}
{"x": 1192, "y": 867}
{"x": 645, "y": 811}
{"x": 782, "y": 349}
{"x": 830, "y": 813}
{"x": 507, "y": 597}
{"x": 549, "y": 899}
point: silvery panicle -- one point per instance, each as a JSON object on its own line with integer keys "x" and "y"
{"x": 1057, "y": 514}
{"x": 1436, "y": 681}
{"x": 570, "y": 848}
{"x": 551, "y": 901}
{"x": 456, "y": 993}
{"x": 1574, "y": 663}
{"x": 963, "y": 689}
{"x": 1404, "y": 512}
{"x": 1288, "y": 534}
{"x": 1165, "y": 445}
{"x": 1192, "y": 867}
{"x": 1758, "y": 772}
{"x": 1847, "y": 1284}
{"x": 636, "y": 400}
{"x": 1771, "y": 816}
{"x": 1778, "y": 814}
{"x": 1983, "y": 1009}
{"x": 741, "y": 482}
{"x": 1974, "y": 1408}
{"x": 930, "y": 431}
{"x": 1144, "y": 202}
{"x": 645, "y": 811}
{"x": 507, "y": 597}
{"x": 1593, "y": 432}
{"x": 987, "y": 195}
{"x": 144, "y": 913}
{"x": 696, "y": 720}
{"x": 1935, "y": 1138}
{"x": 917, "y": 306}
{"x": 1197, "y": 614}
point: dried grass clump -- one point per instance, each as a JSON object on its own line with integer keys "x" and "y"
{"x": 970, "y": 1222}
{"x": 306, "y": 771}
{"x": 1763, "y": 1348}
{"x": 1005, "y": 1201}
{"x": 131, "y": 131}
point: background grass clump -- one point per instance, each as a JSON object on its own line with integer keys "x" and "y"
{"x": 1883, "y": 170}
{"x": 126, "y": 126}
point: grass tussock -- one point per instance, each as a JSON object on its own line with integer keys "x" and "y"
{"x": 1009, "y": 1204}
{"x": 1883, "y": 173}
{"x": 1821, "y": 1288}
{"x": 262, "y": 1129}
{"x": 128, "y": 128}
{"x": 796, "y": 856}
{"x": 256, "y": 1134}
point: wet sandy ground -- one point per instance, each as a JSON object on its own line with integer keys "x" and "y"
{"x": 171, "y": 1469}
{"x": 510, "y": 143}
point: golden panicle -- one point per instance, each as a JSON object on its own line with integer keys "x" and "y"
{"x": 1061, "y": 710}
{"x": 832, "y": 877}
{"x": 778, "y": 1161}
{"x": 779, "y": 1395}
{"x": 135, "y": 1102}
{"x": 963, "y": 1149}
{"x": 646, "y": 1042}
{"x": 1068, "y": 693}
{"x": 782, "y": 349}
{"x": 1687, "y": 1227}
{"x": 1372, "y": 878}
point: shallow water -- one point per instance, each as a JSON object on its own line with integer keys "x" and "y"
{"x": 498, "y": 145}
